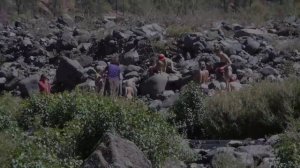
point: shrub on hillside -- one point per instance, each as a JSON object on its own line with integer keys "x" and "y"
{"x": 189, "y": 109}
{"x": 71, "y": 124}
{"x": 177, "y": 31}
{"x": 288, "y": 148}
{"x": 257, "y": 111}
{"x": 254, "y": 112}
{"x": 8, "y": 109}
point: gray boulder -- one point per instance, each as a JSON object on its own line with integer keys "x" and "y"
{"x": 84, "y": 47}
{"x": 29, "y": 85}
{"x": 132, "y": 75}
{"x": 85, "y": 61}
{"x": 131, "y": 68}
{"x": 259, "y": 152}
{"x": 228, "y": 157}
{"x": 173, "y": 163}
{"x": 69, "y": 73}
{"x": 2, "y": 83}
{"x": 231, "y": 47}
{"x": 154, "y": 85}
{"x": 249, "y": 33}
{"x": 170, "y": 101}
{"x": 88, "y": 86}
{"x": 153, "y": 31}
{"x": 129, "y": 58}
{"x": 267, "y": 71}
{"x": 116, "y": 152}
{"x": 67, "y": 41}
{"x": 252, "y": 46}
{"x": 267, "y": 163}
{"x": 155, "y": 105}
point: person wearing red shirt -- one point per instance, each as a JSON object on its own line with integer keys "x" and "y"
{"x": 44, "y": 85}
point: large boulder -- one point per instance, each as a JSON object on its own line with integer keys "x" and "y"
{"x": 231, "y": 158}
{"x": 130, "y": 57}
{"x": 268, "y": 70}
{"x": 252, "y": 46}
{"x": 249, "y": 33}
{"x": 85, "y": 61}
{"x": 67, "y": 41}
{"x": 154, "y": 85}
{"x": 29, "y": 85}
{"x": 69, "y": 73}
{"x": 153, "y": 31}
{"x": 231, "y": 47}
{"x": 117, "y": 152}
{"x": 259, "y": 152}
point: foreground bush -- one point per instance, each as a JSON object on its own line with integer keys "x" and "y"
{"x": 189, "y": 110}
{"x": 288, "y": 148}
{"x": 8, "y": 110}
{"x": 260, "y": 110}
{"x": 69, "y": 125}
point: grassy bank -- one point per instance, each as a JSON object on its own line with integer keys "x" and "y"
{"x": 61, "y": 130}
{"x": 263, "y": 109}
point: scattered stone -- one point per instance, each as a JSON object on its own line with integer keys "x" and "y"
{"x": 235, "y": 144}
{"x": 115, "y": 151}
{"x": 69, "y": 73}
{"x": 29, "y": 86}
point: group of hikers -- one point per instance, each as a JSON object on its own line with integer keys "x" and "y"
{"x": 109, "y": 81}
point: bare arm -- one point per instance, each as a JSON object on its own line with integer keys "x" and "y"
{"x": 226, "y": 59}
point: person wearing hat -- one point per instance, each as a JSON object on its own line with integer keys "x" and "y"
{"x": 165, "y": 64}
{"x": 44, "y": 85}
{"x": 224, "y": 67}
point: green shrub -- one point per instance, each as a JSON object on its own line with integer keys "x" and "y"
{"x": 189, "y": 109}
{"x": 259, "y": 110}
{"x": 71, "y": 124}
{"x": 8, "y": 110}
{"x": 288, "y": 148}
{"x": 177, "y": 31}
{"x": 7, "y": 149}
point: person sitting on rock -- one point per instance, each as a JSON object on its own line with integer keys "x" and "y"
{"x": 235, "y": 85}
{"x": 44, "y": 85}
{"x": 130, "y": 90}
{"x": 224, "y": 67}
{"x": 165, "y": 64}
{"x": 202, "y": 76}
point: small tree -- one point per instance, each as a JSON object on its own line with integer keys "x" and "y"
{"x": 189, "y": 110}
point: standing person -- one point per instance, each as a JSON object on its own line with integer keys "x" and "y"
{"x": 44, "y": 85}
{"x": 224, "y": 67}
{"x": 100, "y": 82}
{"x": 113, "y": 75}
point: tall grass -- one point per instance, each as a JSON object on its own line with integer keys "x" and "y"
{"x": 260, "y": 110}
{"x": 263, "y": 109}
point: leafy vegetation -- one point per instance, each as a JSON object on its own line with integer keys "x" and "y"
{"x": 200, "y": 10}
{"x": 61, "y": 130}
{"x": 189, "y": 111}
{"x": 288, "y": 149}
{"x": 260, "y": 110}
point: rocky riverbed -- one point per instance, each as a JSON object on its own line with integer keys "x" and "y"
{"x": 69, "y": 55}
